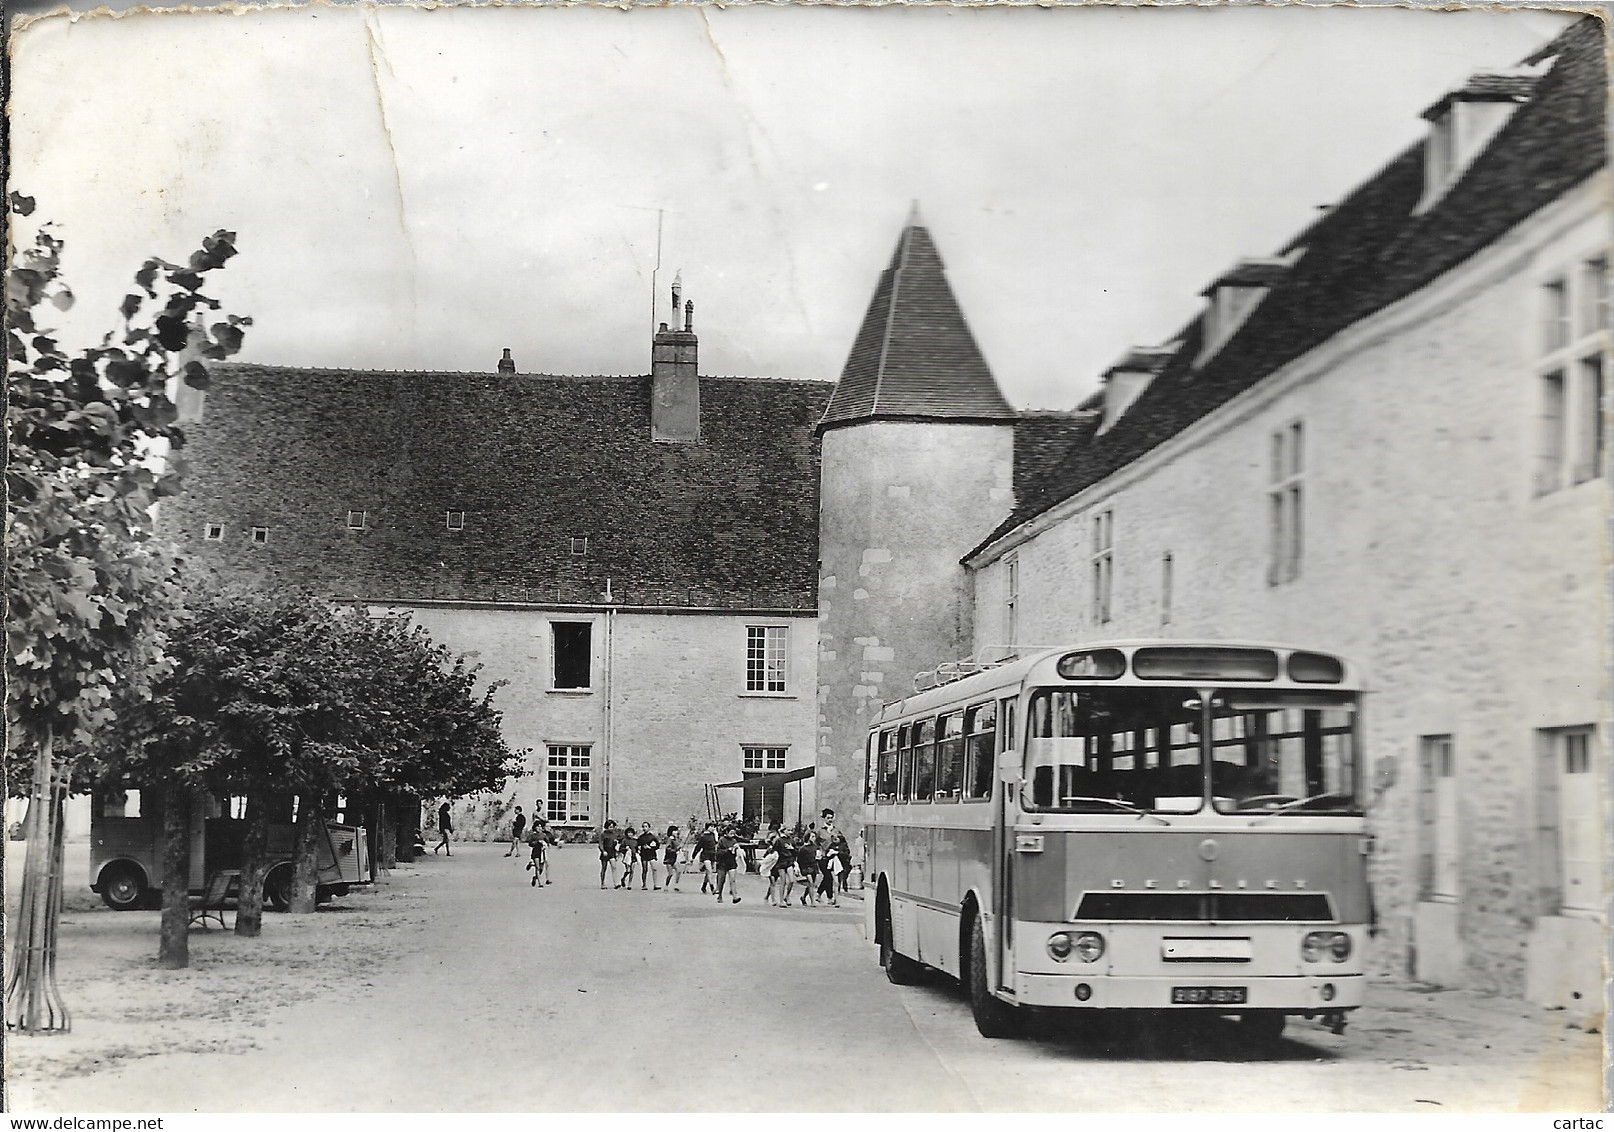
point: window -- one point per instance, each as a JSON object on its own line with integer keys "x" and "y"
{"x": 1438, "y": 764}
{"x": 1571, "y": 378}
{"x": 1572, "y": 773}
{"x": 764, "y": 758}
{"x": 454, "y": 520}
{"x": 885, "y": 787}
{"x": 1165, "y": 588}
{"x": 1103, "y": 564}
{"x": 260, "y": 536}
{"x": 980, "y": 761}
{"x": 950, "y": 757}
{"x": 764, "y": 801}
{"x": 923, "y": 785}
{"x": 214, "y": 532}
{"x": 1011, "y": 600}
{"x": 1284, "y": 502}
{"x": 765, "y": 653}
{"x": 573, "y": 667}
{"x": 1588, "y": 416}
{"x": 355, "y": 520}
{"x": 566, "y": 785}
{"x": 580, "y": 547}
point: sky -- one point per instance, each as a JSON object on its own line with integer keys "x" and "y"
{"x": 421, "y": 188}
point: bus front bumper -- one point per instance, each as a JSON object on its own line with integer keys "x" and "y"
{"x": 1301, "y": 994}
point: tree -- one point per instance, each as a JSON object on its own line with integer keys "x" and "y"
{"x": 92, "y": 446}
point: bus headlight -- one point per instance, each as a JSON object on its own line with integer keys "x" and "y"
{"x": 1317, "y": 946}
{"x": 1089, "y": 947}
{"x": 1060, "y": 945}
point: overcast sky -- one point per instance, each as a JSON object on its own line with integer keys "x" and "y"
{"x": 419, "y": 188}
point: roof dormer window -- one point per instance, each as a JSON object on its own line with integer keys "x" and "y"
{"x": 1465, "y": 120}
{"x": 1232, "y": 298}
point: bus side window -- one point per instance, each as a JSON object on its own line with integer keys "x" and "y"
{"x": 904, "y": 763}
{"x": 871, "y": 765}
{"x": 980, "y": 724}
{"x": 924, "y": 760}
{"x": 950, "y": 756}
{"x": 889, "y": 751}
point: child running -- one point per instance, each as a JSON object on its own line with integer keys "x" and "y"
{"x": 669, "y": 857}
{"x": 648, "y": 845}
{"x": 728, "y": 852}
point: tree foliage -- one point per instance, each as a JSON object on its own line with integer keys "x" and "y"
{"x": 93, "y": 439}
{"x": 279, "y": 691}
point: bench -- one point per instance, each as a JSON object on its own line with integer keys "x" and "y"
{"x": 221, "y": 886}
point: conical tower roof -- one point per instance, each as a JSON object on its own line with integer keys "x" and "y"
{"x": 914, "y": 358}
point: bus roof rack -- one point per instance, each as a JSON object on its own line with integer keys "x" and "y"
{"x": 989, "y": 656}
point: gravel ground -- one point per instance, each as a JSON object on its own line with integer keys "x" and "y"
{"x": 453, "y": 986}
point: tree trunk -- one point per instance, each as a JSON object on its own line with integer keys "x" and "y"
{"x": 304, "y": 854}
{"x": 407, "y": 826}
{"x": 174, "y": 947}
{"x": 254, "y": 851}
{"x": 387, "y": 828}
{"x": 33, "y": 1003}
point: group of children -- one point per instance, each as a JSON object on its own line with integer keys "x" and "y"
{"x": 538, "y": 839}
{"x": 817, "y": 859}
{"x": 621, "y": 849}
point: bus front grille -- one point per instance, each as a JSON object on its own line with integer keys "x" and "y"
{"x": 1199, "y": 906}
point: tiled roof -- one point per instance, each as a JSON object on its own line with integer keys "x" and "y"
{"x": 1368, "y": 252}
{"x": 533, "y": 462}
{"x": 1041, "y": 438}
{"x": 914, "y": 356}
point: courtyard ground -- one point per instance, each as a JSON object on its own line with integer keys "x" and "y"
{"x": 456, "y": 986}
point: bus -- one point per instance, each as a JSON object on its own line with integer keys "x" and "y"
{"x": 126, "y": 850}
{"x": 1131, "y": 825}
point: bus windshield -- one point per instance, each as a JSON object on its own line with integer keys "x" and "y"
{"x": 1283, "y": 752}
{"x": 1090, "y": 749}
{"x": 1118, "y": 749}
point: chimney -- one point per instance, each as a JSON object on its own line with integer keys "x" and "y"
{"x": 675, "y": 391}
{"x": 507, "y": 364}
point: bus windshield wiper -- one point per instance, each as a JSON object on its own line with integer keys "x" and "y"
{"x": 1298, "y": 803}
{"x": 1118, "y": 804}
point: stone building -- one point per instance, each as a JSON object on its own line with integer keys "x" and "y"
{"x": 634, "y": 556}
{"x": 1385, "y": 438}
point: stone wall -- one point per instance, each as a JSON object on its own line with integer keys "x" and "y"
{"x": 1478, "y": 609}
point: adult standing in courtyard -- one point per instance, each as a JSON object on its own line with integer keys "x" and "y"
{"x": 445, "y": 826}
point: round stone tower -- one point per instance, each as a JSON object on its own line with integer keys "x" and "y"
{"x": 917, "y": 451}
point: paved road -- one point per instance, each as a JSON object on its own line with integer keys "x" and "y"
{"x": 572, "y": 998}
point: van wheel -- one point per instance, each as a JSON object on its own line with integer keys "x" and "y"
{"x": 994, "y": 1018}
{"x": 277, "y": 887}
{"x": 899, "y": 969}
{"x": 123, "y": 888}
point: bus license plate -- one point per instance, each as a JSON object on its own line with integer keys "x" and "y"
{"x": 1215, "y": 996}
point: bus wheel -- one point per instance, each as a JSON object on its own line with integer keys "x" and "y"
{"x": 277, "y": 887}
{"x": 901, "y": 970}
{"x": 994, "y": 1018}
{"x": 123, "y": 888}
{"x": 1263, "y": 1025}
